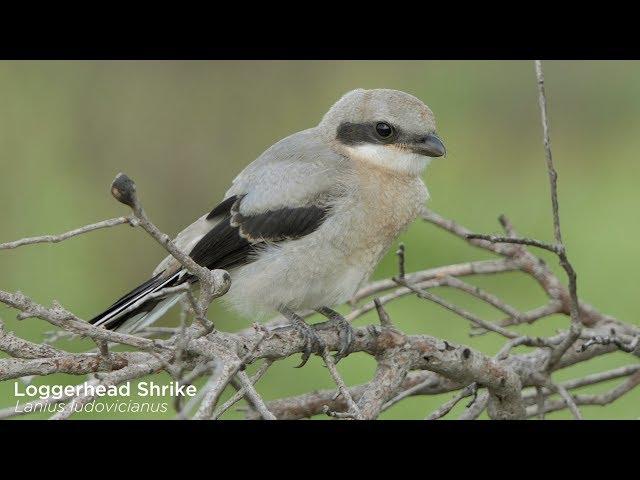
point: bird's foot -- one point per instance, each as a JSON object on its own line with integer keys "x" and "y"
{"x": 313, "y": 342}
{"x": 345, "y": 331}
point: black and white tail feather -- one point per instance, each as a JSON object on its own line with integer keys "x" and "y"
{"x": 118, "y": 317}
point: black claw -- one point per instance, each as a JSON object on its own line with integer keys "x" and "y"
{"x": 345, "y": 333}
{"x": 313, "y": 343}
{"x": 305, "y": 358}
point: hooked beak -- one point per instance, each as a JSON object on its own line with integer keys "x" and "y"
{"x": 429, "y": 146}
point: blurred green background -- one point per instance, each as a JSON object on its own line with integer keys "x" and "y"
{"x": 183, "y": 130}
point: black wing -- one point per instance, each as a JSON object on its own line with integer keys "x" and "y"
{"x": 232, "y": 241}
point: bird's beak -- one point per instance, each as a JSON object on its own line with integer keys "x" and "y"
{"x": 430, "y": 146}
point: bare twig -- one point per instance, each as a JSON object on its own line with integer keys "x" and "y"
{"x": 459, "y": 311}
{"x": 518, "y": 241}
{"x": 383, "y": 316}
{"x": 589, "y": 399}
{"x": 574, "y": 332}
{"x": 481, "y": 267}
{"x": 606, "y": 340}
{"x": 112, "y": 222}
{"x": 447, "y": 406}
{"x": 568, "y": 400}
{"x": 342, "y": 387}
{"x": 487, "y": 297}
{"x": 585, "y": 381}
{"x": 252, "y": 395}
{"x": 240, "y": 393}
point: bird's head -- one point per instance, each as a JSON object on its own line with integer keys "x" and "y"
{"x": 386, "y": 128}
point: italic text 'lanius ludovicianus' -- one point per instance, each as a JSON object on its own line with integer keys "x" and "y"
{"x": 304, "y": 225}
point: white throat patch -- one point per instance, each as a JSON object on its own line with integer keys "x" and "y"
{"x": 390, "y": 157}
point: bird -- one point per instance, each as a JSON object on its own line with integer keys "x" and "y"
{"x": 303, "y": 226}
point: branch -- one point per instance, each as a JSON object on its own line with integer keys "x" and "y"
{"x": 590, "y": 399}
{"x": 559, "y": 247}
{"x": 253, "y": 396}
{"x": 240, "y": 393}
{"x": 446, "y": 407}
{"x": 354, "y": 410}
{"x": 64, "y": 236}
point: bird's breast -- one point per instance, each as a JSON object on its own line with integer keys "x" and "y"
{"x": 378, "y": 207}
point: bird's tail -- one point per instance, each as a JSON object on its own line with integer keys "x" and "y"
{"x": 131, "y": 311}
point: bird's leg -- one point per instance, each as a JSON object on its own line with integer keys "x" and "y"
{"x": 313, "y": 342}
{"x": 345, "y": 332}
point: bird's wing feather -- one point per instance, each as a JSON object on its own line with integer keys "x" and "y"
{"x": 297, "y": 171}
{"x": 282, "y": 195}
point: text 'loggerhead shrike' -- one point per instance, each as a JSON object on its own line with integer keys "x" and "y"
{"x": 304, "y": 225}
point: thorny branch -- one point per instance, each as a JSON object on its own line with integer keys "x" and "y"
{"x": 507, "y": 385}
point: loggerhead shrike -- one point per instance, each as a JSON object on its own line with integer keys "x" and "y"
{"x": 304, "y": 225}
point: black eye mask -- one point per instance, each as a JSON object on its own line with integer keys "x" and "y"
{"x": 358, "y": 133}
{"x": 373, "y": 133}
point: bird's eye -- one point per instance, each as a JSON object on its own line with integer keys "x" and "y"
{"x": 384, "y": 130}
